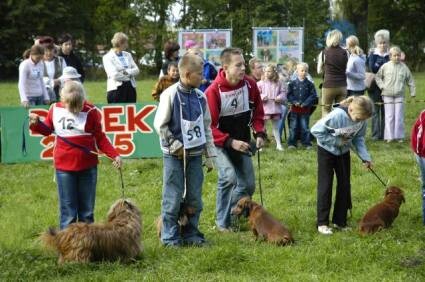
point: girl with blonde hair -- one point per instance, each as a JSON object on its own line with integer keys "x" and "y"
{"x": 77, "y": 125}
{"x": 273, "y": 94}
{"x": 336, "y": 133}
{"x": 356, "y": 67}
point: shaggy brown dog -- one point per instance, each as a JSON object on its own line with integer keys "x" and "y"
{"x": 263, "y": 224}
{"x": 382, "y": 214}
{"x": 185, "y": 213}
{"x": 117, "y": 239}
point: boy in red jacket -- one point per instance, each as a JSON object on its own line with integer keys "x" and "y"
{"x": 236, "y": 108}
{"x": 418, "y": 147}
{"x": 79, "y": 131}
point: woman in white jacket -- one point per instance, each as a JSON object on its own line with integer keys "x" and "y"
{"x": 121, "y": 71}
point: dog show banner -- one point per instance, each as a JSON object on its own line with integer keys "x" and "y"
{"x": 210, "y": 41}
{"x": 129, "y": 127}
{"x": 278, "y": 44}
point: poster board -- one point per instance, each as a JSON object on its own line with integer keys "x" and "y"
{"x": 278, "y": 44}
{"x": 210, "y": 41}
{"x": 129, "y": 127}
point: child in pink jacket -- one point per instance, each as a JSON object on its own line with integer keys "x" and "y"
{"x": 273, "y": 94}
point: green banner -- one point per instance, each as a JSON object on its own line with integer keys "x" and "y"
{"x": 129, "y": 127}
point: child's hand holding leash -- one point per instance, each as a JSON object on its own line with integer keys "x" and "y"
{"x": 117, "y": 162}
{"x": 34, "y": 118}
{"x": 367, "y": 164}
{"x": 209, "y": 163}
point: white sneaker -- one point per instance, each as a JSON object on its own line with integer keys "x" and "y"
{"x": 324, "y": 229}
{"x": 279, "y": 148}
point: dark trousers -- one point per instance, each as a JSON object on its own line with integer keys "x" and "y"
{"x": 298, "y": 127}
{"x": 378, "y": 116}
{"x": 125, "y": 93}
{"x": 327, "y": 164}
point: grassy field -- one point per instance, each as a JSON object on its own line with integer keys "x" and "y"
{"x": 28, "y": 205}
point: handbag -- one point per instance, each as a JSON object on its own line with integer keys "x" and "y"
{"x": 369, "y": 79}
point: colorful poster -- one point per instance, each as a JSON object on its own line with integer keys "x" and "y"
{"x": 278, "y": 45}
{"x": 210, "y": 41}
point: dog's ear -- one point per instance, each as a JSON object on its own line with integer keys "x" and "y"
{"x": 128, "y": 204}
{"x": 403, "y": 200}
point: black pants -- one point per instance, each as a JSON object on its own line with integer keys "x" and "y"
{"x": 125, "y": 93}
{"x": 327, "y": 164}
{"x": 378, "y": 115}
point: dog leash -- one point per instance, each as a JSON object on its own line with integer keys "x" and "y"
{"x": 370, "y": 169}
{"x": 87, "y": 151}
{"x": 259, "y": 177}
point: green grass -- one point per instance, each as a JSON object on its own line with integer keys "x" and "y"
{"x": 28, "y": 205}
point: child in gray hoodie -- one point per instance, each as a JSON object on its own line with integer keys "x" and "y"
{"x": 342, "y": 128}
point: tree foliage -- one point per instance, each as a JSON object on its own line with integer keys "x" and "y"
{"x": 403, "y": 18}
{"x": 147, "y": 22}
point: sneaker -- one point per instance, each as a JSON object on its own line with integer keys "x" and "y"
{"x": 400, "y": 141}
{"x": 279, "y": 148}
{"x": 291, "y": 147}
{"x": 324, "y": 229}
{"x": 388, "y": 141}
{"x": 341, "y": 228}
{"x": 308, "y": 147}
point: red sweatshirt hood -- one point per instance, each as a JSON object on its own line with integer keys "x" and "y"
{"x": 224, "y": 84}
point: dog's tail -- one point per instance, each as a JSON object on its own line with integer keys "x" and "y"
{"x": 49, "y": 238}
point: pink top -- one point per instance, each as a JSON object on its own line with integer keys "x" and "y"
{"x": 270, "y": 91}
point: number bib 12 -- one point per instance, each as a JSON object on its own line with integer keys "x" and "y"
{"x": 67, "y": 124}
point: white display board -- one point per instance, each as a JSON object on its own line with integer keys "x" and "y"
{"x": 210, "y": 41}
{"x": 278, "y": 44}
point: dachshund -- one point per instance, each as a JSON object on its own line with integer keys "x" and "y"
{"x": 185, "y": 213}
{"x": 382, "y": 214}
{"x": 262, "y": 223}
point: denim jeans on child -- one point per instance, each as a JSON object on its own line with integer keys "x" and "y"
{"x": 172, "y": 197}
{"x": 37, "y": 100}
{"x": 421, "y": 163}
{"x": 299, "y": 122}
{"x": 77, "y": 192}
{"x": 235, "y": 180}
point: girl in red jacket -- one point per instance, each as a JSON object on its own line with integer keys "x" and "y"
{"x": 77, "y": 125}
{"x": 418, "y": 147}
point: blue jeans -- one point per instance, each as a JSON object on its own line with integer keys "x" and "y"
{"x": 235, "y": 180}
{"x": 77, "y": 192}
{"x": 283, "y": 117}
{"x": 172, "y": 197}
{"x": 38, "y": 100}
{"x": 299, "y": 122}
{"x": 421, "y": 163}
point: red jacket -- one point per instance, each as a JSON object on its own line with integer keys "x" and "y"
{"x": 84, "y": 130}
{"x": 234, "y": 109}
{"x": 417, "y": 140}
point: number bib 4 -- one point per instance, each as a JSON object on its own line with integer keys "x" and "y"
{"x": 234, "y": 102}
{"x": 67, "y": 124}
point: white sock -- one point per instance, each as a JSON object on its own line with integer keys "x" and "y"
{"x": 275, "y": 124}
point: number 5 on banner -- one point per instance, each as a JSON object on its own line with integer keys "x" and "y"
{"x": 123, "y": 142}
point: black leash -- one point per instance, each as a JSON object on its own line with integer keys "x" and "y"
{"x": 122, "y": 184}
{"x": 371, "y": 170}
{"x": 259, "y": 177}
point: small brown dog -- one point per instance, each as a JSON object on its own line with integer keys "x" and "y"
{"x": 262, "y": 223}
{"x": 382, "y": 214}
{"x": 185, "y": 213}
{"x": 117, "y": 239}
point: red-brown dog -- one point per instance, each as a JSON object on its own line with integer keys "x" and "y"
{"x": 262, "y": 223}
{"x": 382, "y": 214}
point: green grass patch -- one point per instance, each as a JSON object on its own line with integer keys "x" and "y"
{"x": 29, "y": 204}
